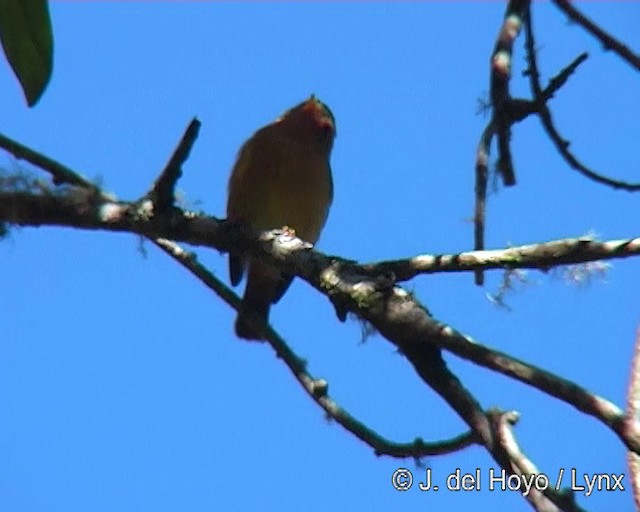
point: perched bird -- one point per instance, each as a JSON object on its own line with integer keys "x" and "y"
{"x": 282, "y": 177}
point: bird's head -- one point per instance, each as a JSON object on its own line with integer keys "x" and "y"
{"x": 311, "y": 118}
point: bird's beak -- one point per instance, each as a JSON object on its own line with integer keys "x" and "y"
{"x": 315, "y": 108}
{"x": 312, "y": 106}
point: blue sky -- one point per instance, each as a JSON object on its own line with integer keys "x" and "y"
{"x": 122, "y": 386}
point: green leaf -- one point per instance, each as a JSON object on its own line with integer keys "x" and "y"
{"x": 27, "y": 40}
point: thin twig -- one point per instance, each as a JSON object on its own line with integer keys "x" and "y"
{"x": 61, "y": 174}
{"x": 547, "y": 500}
{"x": 162, "y": 194}
{"x": 560, "y": 143}
{"x": 482, "y": 177}
{"x": 608, "y": 41}
{"x": 561, "y": 78}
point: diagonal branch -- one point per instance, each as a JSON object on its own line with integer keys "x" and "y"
{"x": 162, "y": 194}
{"x": 61, "y": 174}
{"x": 502, "y": 422}
{"x": 608, "y": 41}
{"x": 560, "y": 143}
{"x": 77, "y": 207}
{"x": 589, "y": 403}
{"x": 561, "y": 78}
{"x": 394, "y": 312}
{"x": 317, "y": 389}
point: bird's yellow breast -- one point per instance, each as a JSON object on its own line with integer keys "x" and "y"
{"x": 280, "y": 181}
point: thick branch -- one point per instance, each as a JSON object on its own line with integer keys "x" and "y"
{"x": 365, "y": 298}
{"x": 317, "y": 389}
{"x": 391, "y": 310}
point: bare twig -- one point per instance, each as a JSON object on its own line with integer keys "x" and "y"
{"x": 519, "y": 109}
{"x": 608, "y": 41}
{"x": 543, "y": 256}
{"x": 522, "y": 466}
{"x": 507, "y": 110}
{"x": 482, "y": 177}
{"x": 60, "y": 173}
{"x": 162, "y": 194}
{"x": 561, "y": 78}
{"x": 560, "y": 143}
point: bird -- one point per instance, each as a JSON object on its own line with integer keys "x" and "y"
{"x": 281, "y": 178}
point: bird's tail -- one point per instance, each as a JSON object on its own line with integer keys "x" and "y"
{"x": 244, "y": 327}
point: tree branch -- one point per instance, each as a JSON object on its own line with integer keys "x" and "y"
{"x": 543, "y": 256}
{"x": 394, "y": 312}
{"x": 544, "y": 113}
{"x": 526, "y": 469}
{"x": 79, "y": 207}
{"x": 501, "y": 63}
{"x": 482, "y": 177}
{"x": 162, "y": 194}
{"x": 500, "y": 123}
{"x": 391, "y": 310}
{"x": 61, "y": 174}
{"x": 507, "y": 110}
{"x": 317, "y": 389}
{"x": 608, "y": 41}
{"x": 603, "y": 410}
